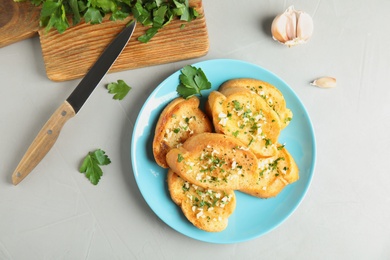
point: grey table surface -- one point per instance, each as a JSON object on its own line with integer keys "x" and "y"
{"x": 55, "y": 213}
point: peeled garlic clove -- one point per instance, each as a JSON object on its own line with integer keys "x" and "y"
{"x": 292, "y": 27}
{"x": 325, "y": 82}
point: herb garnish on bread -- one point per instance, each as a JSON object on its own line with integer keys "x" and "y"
{"x": 204, "y": 208}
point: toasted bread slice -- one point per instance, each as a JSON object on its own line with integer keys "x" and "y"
{"x": 206, "y": 209}
{"x": 246, "y": 116}
{"x": 267, "y": 91}
{"x": 274, "y": 174}
{"x": 214, "y": 161}
{"x": 179, "y": 120}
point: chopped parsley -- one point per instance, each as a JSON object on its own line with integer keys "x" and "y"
{"x": 237, "y": 105}
{"x": 268, "y": 142}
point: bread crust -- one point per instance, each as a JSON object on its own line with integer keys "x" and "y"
{"x": 206, "y": 209}
{"x": 267, "y": 91}
{"x": 243, "y": 114}
{"x": 179, "y": 120}
{"x": 274, "y": 174}
{"x": 214, "y": 161}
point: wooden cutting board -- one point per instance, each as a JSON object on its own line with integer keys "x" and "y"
{"x": 71, "y": 54}
{"x": 18, "y": 21}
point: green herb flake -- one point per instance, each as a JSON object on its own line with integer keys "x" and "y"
{"x": 237, "y": 105}
{"x": 268, "y": 142}
{"x": 186, "y": 187}
{"x": 180, "y": 157}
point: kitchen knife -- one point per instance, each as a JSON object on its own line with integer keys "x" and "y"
{"x": 49, "y": 133}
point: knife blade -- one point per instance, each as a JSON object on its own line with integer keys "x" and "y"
{"x": 49, "y": 133}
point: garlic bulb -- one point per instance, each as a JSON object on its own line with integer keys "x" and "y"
{"x": 325, "y": 82}
{"x": 292, "y": 27}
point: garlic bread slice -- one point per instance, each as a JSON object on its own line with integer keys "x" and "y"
{"x": 214, "y": 161}
{"x": 274, "y": 174}
{"x": 267, "y": 91}
{"x": 179, "y": 120}
{"x": 206, "y": 209}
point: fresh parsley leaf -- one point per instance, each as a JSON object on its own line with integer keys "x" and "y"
{"x": 91, "y": 165}
{"x": 119, "y": 89}
{"x": 159, "y": 15}
{"x": 185, "y": 12}
{"x": 49, "y": 7}
{"x": 93, "y": 16}
{"x": 106, "y": 6}
{"x": 75, "y": 10}
{"x": 182, "y": 10}
{"x": 118, "y": 15}
{"x": 53, "y": 14}
{"x": 192, "y": 82}
{"x": 148, "y": 35}
{"x": 141, "y": 14}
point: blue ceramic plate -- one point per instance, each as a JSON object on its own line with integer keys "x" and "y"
{"x": 253, "y": 217}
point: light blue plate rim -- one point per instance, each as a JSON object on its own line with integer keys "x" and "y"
{"x": 253, "y": 217}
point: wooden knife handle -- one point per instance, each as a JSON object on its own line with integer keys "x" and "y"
{"x": 43, "y": 142}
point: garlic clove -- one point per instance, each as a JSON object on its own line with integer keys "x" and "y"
{"x": 292, "y": 27}
{"x": 291, "y": 23}
{"x": 324, "y": 82}
{"x": 278, "y": 28}
{"x": 304, "y": 26}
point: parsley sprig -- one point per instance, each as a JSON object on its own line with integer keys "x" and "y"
{"x": 152, "y": 13}
{"x": 192, "y": 82}
{"x": 91, "y": 165}
{"x": 119, "y": 89}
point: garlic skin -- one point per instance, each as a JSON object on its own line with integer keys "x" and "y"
{"x": 292, "y": 27}
{"x": 325, "y": 82}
